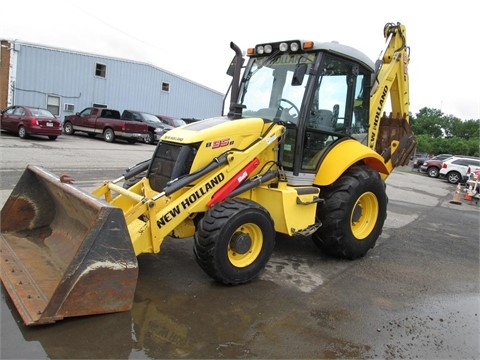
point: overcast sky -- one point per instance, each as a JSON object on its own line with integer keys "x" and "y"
{"x": 191, "y": 38}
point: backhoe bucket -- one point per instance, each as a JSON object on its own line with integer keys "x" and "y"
{"x": 64, "y": 252}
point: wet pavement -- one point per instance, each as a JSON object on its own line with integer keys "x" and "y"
{"x": 415, "y": 295}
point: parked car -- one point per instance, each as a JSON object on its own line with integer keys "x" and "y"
{"x": 432, "y": 166}
{"x": 28, "y": 120}
{"x": 455, "y": 168}
{"x": 156, "y": 128}
{"x": 106, "y": 122}
{"x": 442, "y": 156}
{"x": 419, "y": 159}
{"x": 190, "y": 120}
{"x": 171, "y": 121}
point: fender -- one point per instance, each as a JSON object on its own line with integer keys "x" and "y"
{"x": 342, "y": 156}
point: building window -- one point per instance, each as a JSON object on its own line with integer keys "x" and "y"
{"x": 53, "y": 104}
{"x": 100, "y": 70}
{"x": 68, "y": 107}
{"x": 165, "y": 86}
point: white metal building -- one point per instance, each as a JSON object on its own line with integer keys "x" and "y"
{"x": 66, "y": 82}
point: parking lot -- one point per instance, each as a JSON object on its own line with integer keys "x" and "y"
{"x": 416, "y": 294}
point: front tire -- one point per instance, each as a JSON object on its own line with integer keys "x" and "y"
{"x": 433, "y": 172}
{"x": 150, "y": 138}
{"x": 234, "y": 241}
{"x": 353, "y": 215}
{"x": 68, "y": 128}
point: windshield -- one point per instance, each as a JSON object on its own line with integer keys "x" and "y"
{"x": 179, "y": 122}
{"x": 151, "y": 118}
{"x": 271, "y": 90}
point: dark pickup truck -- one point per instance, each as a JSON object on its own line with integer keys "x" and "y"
{"x": 155, "y": 127}
{"x": 106, "y": 122}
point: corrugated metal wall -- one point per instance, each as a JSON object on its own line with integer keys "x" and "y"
{"x": 43, "y": 71}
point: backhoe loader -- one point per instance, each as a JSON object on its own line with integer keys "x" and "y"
{"x": 304, "y": 149}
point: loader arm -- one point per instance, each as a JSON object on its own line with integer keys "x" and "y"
{"x": 391, "y": 136}
{"x": 152, "y": 216}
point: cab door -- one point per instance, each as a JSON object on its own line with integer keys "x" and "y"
{"x": 88, "y": 118}
{"x": 336, "y": 110}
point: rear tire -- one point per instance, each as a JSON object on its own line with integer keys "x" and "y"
{"x": 109, "y": 135}
{"x": 22, "y": 133}
{"x": 353, "y": 215}
{"x": 454, "y": 177}
{"x": 234, "y": 241}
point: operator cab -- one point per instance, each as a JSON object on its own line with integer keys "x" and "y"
{"x": 318, "y": 92}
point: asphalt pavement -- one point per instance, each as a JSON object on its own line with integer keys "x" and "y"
{"x": 415, "y": 295}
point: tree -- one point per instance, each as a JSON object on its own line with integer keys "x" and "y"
{"x": 428, "y": 122}
{"x": 438, "y": 133}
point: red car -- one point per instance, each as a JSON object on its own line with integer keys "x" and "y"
{"x": 432, "y": 166}
{"x": 173, "y": 122}
{"x": 28, "y": 120}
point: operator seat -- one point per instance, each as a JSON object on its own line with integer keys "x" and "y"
{"x": 321, "y": 120}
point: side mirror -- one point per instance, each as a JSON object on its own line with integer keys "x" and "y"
{"x": 231, "y": 67}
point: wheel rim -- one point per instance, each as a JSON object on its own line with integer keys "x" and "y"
{"x": 364, "y": 215}
{"x": 108, "y": 135}
{"x": 21, "y": 132}
{"x": 245, "y": 245}
{"x": 433, "y": 172}
{"x": 454, "y": 178}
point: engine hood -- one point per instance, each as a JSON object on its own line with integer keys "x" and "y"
{"x": 221, "y": 129}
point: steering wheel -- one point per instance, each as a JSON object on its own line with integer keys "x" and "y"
{"x": 293, "y": 106}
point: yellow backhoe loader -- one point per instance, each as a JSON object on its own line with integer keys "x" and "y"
{"x": 304, "y": 150}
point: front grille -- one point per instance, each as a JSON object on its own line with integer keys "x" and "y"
{"x": 169, "y": 162}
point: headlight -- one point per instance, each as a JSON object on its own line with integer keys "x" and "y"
{"x": 294, "y": 47}
{"x": 283, "y": 47}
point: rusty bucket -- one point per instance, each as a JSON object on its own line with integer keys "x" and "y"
{"x": 64, "y": 253}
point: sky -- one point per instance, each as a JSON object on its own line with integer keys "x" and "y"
{"x": 191, "y": 38}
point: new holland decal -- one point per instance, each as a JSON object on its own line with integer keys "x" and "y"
{"x": 378, "y": 115}
{"x": 190, "y": 200}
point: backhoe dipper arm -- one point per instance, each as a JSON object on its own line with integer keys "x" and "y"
{"x": 390, "y": 80}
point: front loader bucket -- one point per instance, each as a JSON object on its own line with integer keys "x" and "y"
{"x": 64, "y": 252}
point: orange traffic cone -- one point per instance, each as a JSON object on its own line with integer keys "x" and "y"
{"x": 457, "y": 197}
